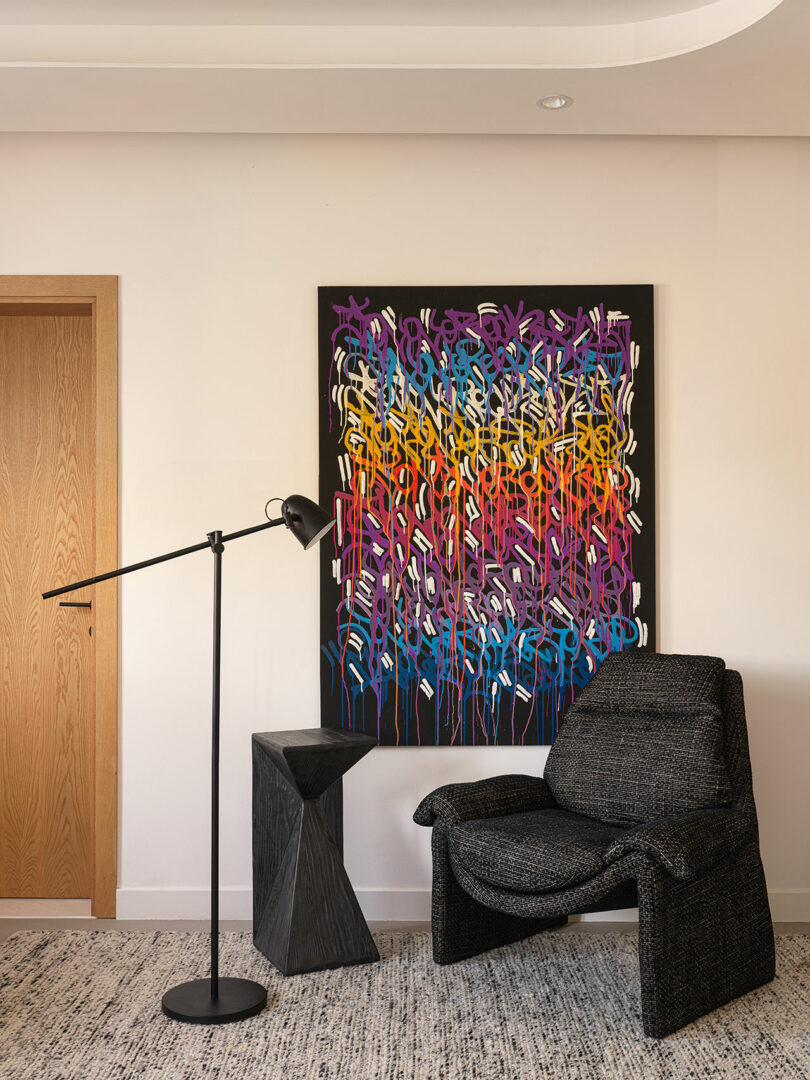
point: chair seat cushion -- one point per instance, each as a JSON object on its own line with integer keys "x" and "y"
{"x": 535, "y": 852}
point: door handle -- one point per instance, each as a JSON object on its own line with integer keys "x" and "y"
{"x": 69, "y": 603}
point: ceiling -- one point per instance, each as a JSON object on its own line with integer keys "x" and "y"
{"x": 684, "y": 67}
{"x": 357, "y": 12}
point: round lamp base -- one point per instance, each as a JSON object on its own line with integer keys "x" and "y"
{"x": 237, "y": 999}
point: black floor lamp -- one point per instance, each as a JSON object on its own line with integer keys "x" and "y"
{"x": 219, "y": 1000}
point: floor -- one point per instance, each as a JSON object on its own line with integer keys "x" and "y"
{"x": 564, "y": 1004}
{"x": 9, "y": 926}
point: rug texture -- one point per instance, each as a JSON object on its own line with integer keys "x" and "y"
{"x": 85, "y": 1005}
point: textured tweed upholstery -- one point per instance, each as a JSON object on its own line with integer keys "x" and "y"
{"x": 705, "y": 932}
{"x": 655, "y": 681}
{"x": 576, "y": 899}
{"x": 535, "y": 852}
{"x": 686, "y": 845}
{"x": 646, "y": 753}
{"x": 628, "y": 768}
{"x": 483, "y": 799}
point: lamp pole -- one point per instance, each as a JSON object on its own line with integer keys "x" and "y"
{"x": 220, "y": 1000}
{"x": 215, "y": 539}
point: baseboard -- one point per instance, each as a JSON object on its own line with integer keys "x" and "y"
{"x": 628, "y": 915}
{"x": 379, "y": 905}
{"x": 395, "y": 905}
{"x": 44, "y": 909}
{"x": 157, "y": 903}
{"x": 790, "y": 905}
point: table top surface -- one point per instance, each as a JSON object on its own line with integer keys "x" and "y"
{"x": 315, "y": 739}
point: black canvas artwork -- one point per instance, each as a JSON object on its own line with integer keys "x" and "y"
{"x": 489, "y": 455}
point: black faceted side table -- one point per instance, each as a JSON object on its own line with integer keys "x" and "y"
{"x": 305, "y": 914}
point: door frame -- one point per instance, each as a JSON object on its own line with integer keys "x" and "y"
{"x": 65, "y": 295}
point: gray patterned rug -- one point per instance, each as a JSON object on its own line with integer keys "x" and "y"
{"x": 85, "y": 1005}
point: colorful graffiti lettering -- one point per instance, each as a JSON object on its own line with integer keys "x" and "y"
{"x": 480, "y": 463}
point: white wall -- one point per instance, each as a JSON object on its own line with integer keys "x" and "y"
{"x": 220, "y": 242}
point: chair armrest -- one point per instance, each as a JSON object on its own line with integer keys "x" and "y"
{"x": 493, "y": 797}
{"x": 686, "y": 845}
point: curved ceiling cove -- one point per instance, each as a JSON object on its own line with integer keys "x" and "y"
{"x": 604, "y": 12}
{"x": 668, "y": 28}
{"x": 346, "y": 13}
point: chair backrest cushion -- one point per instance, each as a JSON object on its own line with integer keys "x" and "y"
{"x": 643, "y": 740}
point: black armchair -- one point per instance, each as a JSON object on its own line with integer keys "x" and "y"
{"x": 646, "y": 800}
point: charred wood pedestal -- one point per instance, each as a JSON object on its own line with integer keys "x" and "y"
{"x": 305, "y": 914}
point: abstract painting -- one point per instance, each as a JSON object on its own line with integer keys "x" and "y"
{"x": 489, "y": 455}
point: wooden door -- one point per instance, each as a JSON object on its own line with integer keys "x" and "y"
{"x": 47, "y": 525}
{"x": 53, "y": 842}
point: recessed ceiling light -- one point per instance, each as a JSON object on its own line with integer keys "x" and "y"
{"x": 555, "y": 101}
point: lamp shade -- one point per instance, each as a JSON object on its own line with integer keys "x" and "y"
{"x": 307, "y": 521}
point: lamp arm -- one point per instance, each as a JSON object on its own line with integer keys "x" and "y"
{"x": 206, "y": 546}
{"x": 254, "y": 528}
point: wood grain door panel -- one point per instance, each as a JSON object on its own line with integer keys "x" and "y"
{"x": 47, "y": 667}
